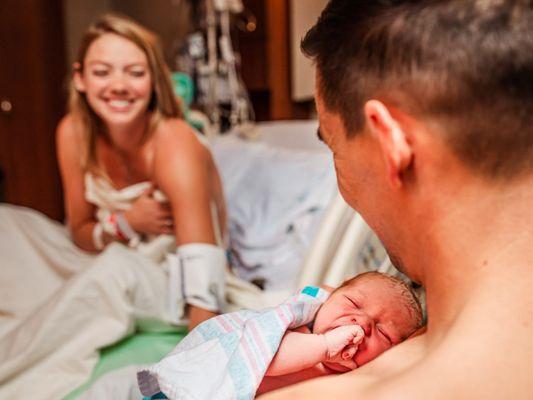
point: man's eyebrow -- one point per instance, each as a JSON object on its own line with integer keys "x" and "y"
{"x": 319, "y": 134}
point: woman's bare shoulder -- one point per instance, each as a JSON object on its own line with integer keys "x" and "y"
{"x": 176, "y": 136}
{"x": 69, "y": 129}
{"x": 174, "y": 129}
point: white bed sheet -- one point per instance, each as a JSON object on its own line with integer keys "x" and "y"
{"x": 277, "y": 189}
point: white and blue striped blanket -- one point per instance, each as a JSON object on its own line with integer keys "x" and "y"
{"x": 226, "y": 357}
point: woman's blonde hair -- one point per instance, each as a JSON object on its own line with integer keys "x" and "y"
{"x": 163, "y": 103}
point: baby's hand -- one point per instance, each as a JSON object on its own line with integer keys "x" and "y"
{"x": 345, "y": 338}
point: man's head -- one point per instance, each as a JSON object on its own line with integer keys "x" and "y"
{"x": 384, "y": 306}
{"x": 419, "y": 99}
{"x": 465, "y": 65}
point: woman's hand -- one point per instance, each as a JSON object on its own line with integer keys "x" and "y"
{"x": 150, "y": 216}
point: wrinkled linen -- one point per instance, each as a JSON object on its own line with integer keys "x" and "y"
{"x": 59, "y": 304}
{"x": 276, "y": 199}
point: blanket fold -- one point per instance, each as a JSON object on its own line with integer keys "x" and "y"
{"x": 227, "y": 356}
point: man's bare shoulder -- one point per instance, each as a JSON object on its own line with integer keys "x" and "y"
{"x": 479, "y": 356}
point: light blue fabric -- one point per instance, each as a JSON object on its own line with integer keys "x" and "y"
{"x": 234, "y": 350}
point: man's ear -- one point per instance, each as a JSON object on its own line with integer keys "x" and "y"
{"x": 77, "y": 78}
{"x": 395, "y": 147}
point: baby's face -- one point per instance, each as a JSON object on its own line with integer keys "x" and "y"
{"x": 376, "y": 307}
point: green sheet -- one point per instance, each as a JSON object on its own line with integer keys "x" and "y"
{"x": 141, "y": 348}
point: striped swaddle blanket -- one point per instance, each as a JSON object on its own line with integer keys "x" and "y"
{"x": 226, "y": 357}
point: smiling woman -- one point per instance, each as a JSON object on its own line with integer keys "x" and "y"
{"x": 142, "y": 194}
{"x": 116, "y": 81}
{"x": 132, "y": 170}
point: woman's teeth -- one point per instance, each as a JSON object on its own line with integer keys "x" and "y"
{"x": 119, "y": 103}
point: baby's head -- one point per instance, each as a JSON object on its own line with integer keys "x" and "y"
{"x": 384, "y": 306}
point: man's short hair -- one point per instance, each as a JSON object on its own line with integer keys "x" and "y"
{"x": 466, "y": 64}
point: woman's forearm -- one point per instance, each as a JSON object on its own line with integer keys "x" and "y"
{"x": 82, "y": 234}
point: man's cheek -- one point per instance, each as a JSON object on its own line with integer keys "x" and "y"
{"x": 346, "y": 188}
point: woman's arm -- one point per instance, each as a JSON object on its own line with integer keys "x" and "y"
{"x": 219, "y": 198}
{"x": 182, "y": 172}
{"x": 79, "y": 213}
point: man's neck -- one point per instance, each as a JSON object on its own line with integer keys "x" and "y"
{"x": 479, "y": 243}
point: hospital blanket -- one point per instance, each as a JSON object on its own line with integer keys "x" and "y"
{"x": 276, "y": 198}
{"x": 59, "y": 305}
{"x": 227, "y": 356}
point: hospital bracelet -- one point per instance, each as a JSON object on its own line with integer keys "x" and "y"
{"x": 117, "y": 226}
{"x": 98, "y": 236}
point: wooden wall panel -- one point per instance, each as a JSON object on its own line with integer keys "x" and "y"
{"x": 32, "y": 80}
{"x": 277, "y": 22}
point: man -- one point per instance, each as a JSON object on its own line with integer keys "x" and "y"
{"x": 428, "y": 109}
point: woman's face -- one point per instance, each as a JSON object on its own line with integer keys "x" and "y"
{"x": 116, "y": 79}
{"x": 372, "y": 304}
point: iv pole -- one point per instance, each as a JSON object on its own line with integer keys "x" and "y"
{"x": 220, "y": 69}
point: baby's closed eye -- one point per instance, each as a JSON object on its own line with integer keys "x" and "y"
{"x": 383, "y": 333}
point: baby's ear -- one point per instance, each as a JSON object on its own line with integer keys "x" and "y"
{"x": 393, "y": 140}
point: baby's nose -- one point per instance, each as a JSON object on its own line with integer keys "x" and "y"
{"x": 366, "y": 323}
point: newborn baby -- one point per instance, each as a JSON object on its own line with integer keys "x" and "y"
{"x": 249, "y": 352}
{"x": 361, "y": 319}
